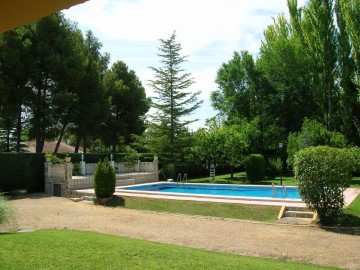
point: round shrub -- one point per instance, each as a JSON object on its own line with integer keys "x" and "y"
{"x": 255, "y": 168}
{"x": 323, "y": 174}
{"x": 273, "y": 168}
{"x": 104, "y": 179}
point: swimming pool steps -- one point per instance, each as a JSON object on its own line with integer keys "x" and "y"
{"x": 296, "y": 215}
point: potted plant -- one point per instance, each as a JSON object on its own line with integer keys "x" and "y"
{"x": 48, "y": 157}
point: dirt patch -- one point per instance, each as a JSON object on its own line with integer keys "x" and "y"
{"x": 291, "y": 243}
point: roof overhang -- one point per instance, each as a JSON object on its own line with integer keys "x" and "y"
{"x": 14, "y": 13}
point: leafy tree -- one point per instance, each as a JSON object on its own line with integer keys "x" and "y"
{"x": 235, "y": 96}
{"x": 173, "y": 103}
{"x": 279, "y": 54}
{"x": 92, "y": 108}
{"x": 320, "y": 42}
{"x": 15, "y": 70}
{"x": 55, "y": 70}
{"x": 128, "y": 105}
{"x": 350, "y": 104}
{"x": 312, "y": 133}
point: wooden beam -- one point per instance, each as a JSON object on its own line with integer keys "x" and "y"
{"x": 14, "y": 13}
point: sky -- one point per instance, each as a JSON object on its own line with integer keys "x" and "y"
{"x": 209, "y": 31}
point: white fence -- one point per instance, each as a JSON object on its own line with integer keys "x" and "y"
{"x": 122, "y": 167}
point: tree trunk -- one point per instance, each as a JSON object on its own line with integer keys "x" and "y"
{"x": 18, "y": 129}
{"x": 60, "y": 138}
{"x": 77, "y": 144}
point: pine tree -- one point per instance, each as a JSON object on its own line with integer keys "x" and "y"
{"x": 173, "y": 103}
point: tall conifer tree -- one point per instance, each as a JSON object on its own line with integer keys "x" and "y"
{"x": 173, "y": 102}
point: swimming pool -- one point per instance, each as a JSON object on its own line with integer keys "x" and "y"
{"x": 223, "y": 190}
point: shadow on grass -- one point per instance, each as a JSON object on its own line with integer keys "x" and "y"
{"x": 348, "y": 224}
{"x": 116, "y": 201}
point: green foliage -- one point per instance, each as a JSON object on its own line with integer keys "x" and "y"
{"x": 104, "y": 179}
{"x": 355, "y": 152}
{"x": 255, "y": 168}
{"x": 22, "y": 171}
{"x": 131, "y": 156}
{"x": 312, "y": 134}
{"x": 173, "y": 102}
{"x": 128, "y": 105}
{"x": 56, "y": 160}
{"x": 76, "y": 169}
{"x": 273, "y": 167}
{"x": 323, "y": 174}
{"x": 18, "y": 192}
{"x": 235, "y": 96}
{"x": 168, "y": 171}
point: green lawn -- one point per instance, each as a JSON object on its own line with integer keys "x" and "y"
{"x": 351, "y": 217}
{"x": 225, "y": 210}
{"x": 64, "y": 249}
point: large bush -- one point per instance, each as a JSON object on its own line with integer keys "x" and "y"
{"x": 312, "y": 133}
{"x": 104, "y": 179}
{"x": 255, "y": 167}
{"x": 323, "y": 174}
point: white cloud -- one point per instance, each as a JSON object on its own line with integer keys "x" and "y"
{"x": 208, "y": 30}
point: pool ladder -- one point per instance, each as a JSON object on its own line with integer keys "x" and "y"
{"x": 180, "y": 182}
{"x": 273, "y": 191}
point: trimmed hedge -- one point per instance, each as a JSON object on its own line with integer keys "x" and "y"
{"x": 323, "y": 173}
{"x": 22, "y": 171}
{"x": 104, "y": 180}
{"x": 255, "y": 168}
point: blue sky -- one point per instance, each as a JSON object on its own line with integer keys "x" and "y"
{"x": 208, "y": 30}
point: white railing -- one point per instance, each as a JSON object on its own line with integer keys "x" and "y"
{"x": 122, "y": 167}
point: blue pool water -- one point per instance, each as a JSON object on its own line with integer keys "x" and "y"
{"x": 220, "y": 190}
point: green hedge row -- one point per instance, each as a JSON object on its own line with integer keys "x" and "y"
{"x": 22, "y": 171}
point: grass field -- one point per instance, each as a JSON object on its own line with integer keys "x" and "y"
{"x": 225, "y": 210}
{"x": 64, "y": 249}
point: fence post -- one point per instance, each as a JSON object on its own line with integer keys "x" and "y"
{"x": 137, "y": 166}
{"x": 82, "y": 165}
{"x": 67, "y": 179}
{"x": 48, "y": 183}
{"x": 156, "y": 164}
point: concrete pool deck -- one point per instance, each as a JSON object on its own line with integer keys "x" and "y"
{"x": 349, "y": 194}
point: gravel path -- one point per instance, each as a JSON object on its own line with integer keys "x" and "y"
{"x": 292, "y": 243}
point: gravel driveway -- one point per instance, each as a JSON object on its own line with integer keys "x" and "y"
{"x": 291, "y": 243}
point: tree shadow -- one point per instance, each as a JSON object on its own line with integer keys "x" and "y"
{"x": 116, "y": 201}
{"x": 348, "y": 224}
